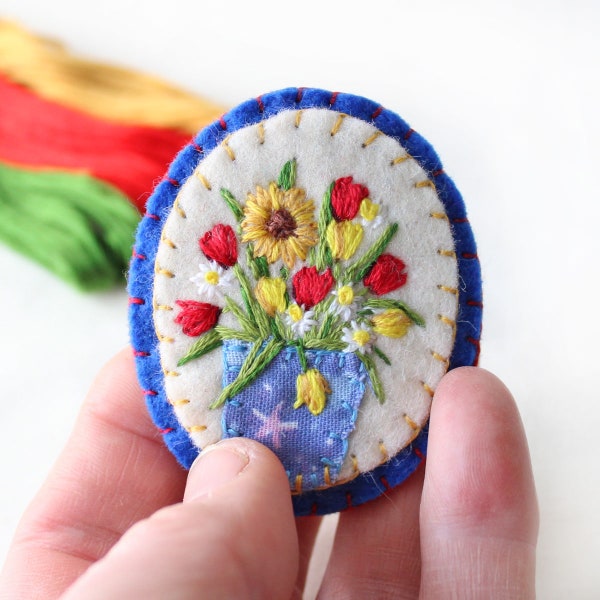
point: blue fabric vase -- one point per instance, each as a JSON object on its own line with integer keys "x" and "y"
{"x": 311, "y": 447}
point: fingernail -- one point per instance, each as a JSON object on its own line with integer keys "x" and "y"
{"x": 214, "y": 467}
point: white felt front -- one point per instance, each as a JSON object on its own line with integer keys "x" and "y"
{"x": 254, "y": 156}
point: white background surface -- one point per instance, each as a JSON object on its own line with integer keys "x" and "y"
{"x": 507, "y": 92}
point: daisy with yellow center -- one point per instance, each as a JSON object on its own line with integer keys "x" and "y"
{"x": 212, "y": 280}
{"x": 280, "y": 223}
{"x": 358, "y": 337}
{"x": 299, "y": 320}
{"x": 345, "y": 301}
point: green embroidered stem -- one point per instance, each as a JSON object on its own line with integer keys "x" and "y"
{"x": 383, "y": 303}
{"x": 382, "y": 355}
{"x": 233, "y": 204}
{"x": 360, "y": 268}
{"x": 205, "y": 344}
{"x": 301, "y": 355}
{"x": 323, "y": 258}
{"x": 287, "y": 175}
{"x": 373, "y": 376}
{"x": 256, "y": 362}
{"x": 277, "y": 328}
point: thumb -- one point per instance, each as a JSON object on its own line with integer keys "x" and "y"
{"x": 233, "y": 536}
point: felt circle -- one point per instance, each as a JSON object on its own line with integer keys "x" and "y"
{"x": 304, "y": 155}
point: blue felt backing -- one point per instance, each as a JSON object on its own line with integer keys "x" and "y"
{"x": 143, "y": 337}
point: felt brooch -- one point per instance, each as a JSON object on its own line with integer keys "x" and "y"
{"x": 305, "y": 275}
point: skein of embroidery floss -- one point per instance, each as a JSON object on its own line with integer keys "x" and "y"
{"x": 82, "y": 145}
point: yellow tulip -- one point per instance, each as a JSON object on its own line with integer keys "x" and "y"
{"x": 392, "y": 322}
{"x": 312, "y": 389}
{"x": 270, "y": 294}
{"x": 344, "y": 238}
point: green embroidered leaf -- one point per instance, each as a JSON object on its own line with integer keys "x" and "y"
{"x": 227, "y": 333}
{"x": 258, "y": 264}
{"x": 233, "y": 204}
{"x": 256, "y": 362}
{"x": 360, "y": 268}
{"x": 382, "y": 355}
{"x": 329, "y": 343}
{"x": 205, "y": 344}
{"x": 255, "y": 312}
{"x": 247, "y": 325}
{"x": 373, "y": 376}
{"x": 263, "y": 266}
{"x": 287, "y": 176}
{"x": 323, "y": 258}
{"x": 383, "y": 303}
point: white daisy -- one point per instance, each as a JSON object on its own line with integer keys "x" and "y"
{"x": 358, "y": 338}
{"x": 212, "y": 280}
{"x": 345, "y": 302}
{"x": 299, "y": 320}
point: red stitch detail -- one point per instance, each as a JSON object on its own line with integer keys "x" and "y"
{"x": 437, "y": 173}
{"x": 151, "y": 216}
{"x": 377, "y": 112}
{"x": 136, "y": 255}
{"x": 348, "y": 499}
{"x": 172, "y": 181}
{"x": 462, "y": 220}
{"x": 140, "y": 353}
{"x": 386, "y": 485}
{"x": 136, "y": 301}
{"x": 409, "y": 133}
{"x": 261, "y": 106}
{"x": 313, "y": 508}
{"x": 475, "y": 303}
{"x": 477, "y": 345}
{"x": 469, "y": 255}
{"x": 418, "y": 453}
{"x": 150, "y": 393}
{"x": 165, "y": 431}
{"x": 197, "y": 148}
{"x": 333, "y": 98}
{"x": 222, "y": 123}
{"x": 299, "y": 94}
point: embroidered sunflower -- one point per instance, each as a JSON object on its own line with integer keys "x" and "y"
{"x": 280, "y": 223}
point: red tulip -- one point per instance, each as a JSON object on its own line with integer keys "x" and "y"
{"x": 197, "y": 317}
{"x": 346, "y": 198}
{"x": 220, "y": 244}
{"x": 310, "y": 287}
{"x": 386, "y": 275}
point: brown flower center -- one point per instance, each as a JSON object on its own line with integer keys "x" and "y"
{"x": 281, "y": 224}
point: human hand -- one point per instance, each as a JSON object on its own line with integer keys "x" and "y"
{"x": 116, "y": 519}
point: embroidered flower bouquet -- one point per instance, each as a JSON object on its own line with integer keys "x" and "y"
{"x": 313, "y": 302}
